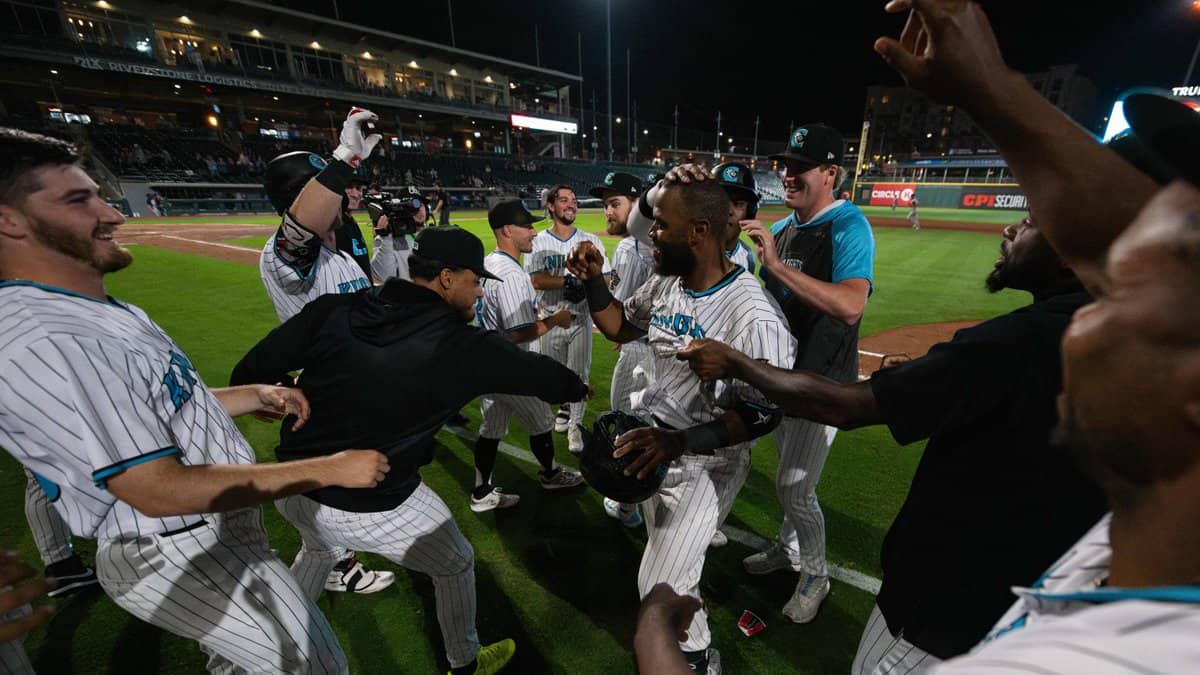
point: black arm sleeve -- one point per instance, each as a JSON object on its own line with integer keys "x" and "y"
{"x": 492, "y": 364}
{"x": 283, "y": 349}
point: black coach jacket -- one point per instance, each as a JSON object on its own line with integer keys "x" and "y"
{"x": 384, "y": 369}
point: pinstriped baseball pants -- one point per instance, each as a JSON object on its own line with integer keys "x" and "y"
{"x": 881, "y": 653}
{"x": 221, "y": 585}
{"x": 572, "y": 347}
{"x": 803, "y": 447}
{"x": 419, "y": 535}
{"x": 50, "y": 532}
{"x": 624, "y": 381}
{"x": 695, "y": 497}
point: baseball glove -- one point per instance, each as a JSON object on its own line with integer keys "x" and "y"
{"x": 573, "y": 291}
{"x": 606, "y": 474}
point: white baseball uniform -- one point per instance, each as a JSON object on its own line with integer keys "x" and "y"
{"x": 698, "y": 490}
{"x": 570, "y": 346}
{"x": 89, "y": 389}
{"x": 506, "y": 306}
{"x": 390, "y": 257}
{"x": 742, "y": 255}
{"x": 632, "y": 266}
{"x": 297, "y": 267}
{"x": 1069, "y": 622}
{"x": 50, "y": 532}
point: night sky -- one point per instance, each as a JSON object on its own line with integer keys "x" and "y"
{"x": 785, "y": 61}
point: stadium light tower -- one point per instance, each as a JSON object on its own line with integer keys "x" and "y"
{"x": 608, "y": 40}
{"x": 1187, "y": 79}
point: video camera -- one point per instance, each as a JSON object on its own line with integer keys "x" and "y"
{"x": 401, "y": 210}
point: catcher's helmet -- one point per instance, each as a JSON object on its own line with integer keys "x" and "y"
{"x": 738, "y": 181}
{"x": 287, "y": 174}
{"x": 606, "y": 474}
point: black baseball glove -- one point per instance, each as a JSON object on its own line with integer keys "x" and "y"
{"x": 573, "y": 291}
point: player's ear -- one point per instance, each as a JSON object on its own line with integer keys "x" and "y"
{"x": 700, "y": 230}
{"x": 13, "y": 223}
{"x": 446, "y": 277}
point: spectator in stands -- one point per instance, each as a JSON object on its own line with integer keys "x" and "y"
{"x": 139, "y": 155}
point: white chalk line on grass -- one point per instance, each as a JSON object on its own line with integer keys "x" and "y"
{"x": 209, "y": 243}
{"x": 861, "y": 581}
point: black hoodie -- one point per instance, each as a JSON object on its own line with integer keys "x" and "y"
{"x": 384, "y": 369}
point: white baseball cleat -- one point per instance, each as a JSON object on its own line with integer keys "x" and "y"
{"x": 562, "y": 421}
{"x": 358, "y": 579}
{"x": 496, "y": 499}
{"x": 718, "y": 540}
{"x": 770, "y": 560}
{"x": 629, "y": 514}
{"x": 810, "y": 592}
{"x": 575, "y": 440}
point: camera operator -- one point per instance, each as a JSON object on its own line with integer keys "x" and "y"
{"x": 397, "y": 219}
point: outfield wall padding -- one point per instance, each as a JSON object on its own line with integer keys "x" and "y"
{"x": 947, "y": 196}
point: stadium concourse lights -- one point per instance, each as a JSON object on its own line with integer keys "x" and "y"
{"x": 488, "y": 79}
{"x": 103, "y": 5}
{"x": 367, "y": 56}
{"x": 413, "y": 64}
{"x": 184, "y": 20}
{"x": 314, "y": 44}
{"x": 453, "y": 72}
{"x": 254, "y": 33}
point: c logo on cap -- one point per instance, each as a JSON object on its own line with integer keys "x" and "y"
{"x": 608, "y": 179}
{"x": 316, "y": 161}
{"x": 798, "y": 138}
{"x": 730, "y": 174}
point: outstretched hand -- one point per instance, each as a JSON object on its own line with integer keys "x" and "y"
{"x": 586, "y": 261}
{"x": 12, "y": 596}
{"x": 947, "y": 50}
{"x": 709, "y": 359}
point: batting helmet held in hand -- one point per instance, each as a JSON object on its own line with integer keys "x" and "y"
{"x": 606, "y": 474}
{"x": 739, "y": 183}
{"x": 287, "y": 175}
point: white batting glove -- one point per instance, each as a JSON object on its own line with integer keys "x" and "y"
{"x": 354, "y": 145}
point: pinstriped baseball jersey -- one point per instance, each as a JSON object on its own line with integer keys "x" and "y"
{"x": 736, "y": 311}
{"x": 630, "y": 269}
{"x": 549, "y": 255}
{"x": 89, "y": 389}
{"x": 506, "y": 305}
{"x": 1069, "y": 623}
{"x": 297, "y": 268}
{"x": 742, "y": 255}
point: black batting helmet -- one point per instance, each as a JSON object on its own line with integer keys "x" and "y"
{"x": 738, "y": 181}
{"x": 287, "y": 174}
{"x": 606, "y": 474}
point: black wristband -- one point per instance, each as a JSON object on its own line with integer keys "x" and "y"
{"x": 336, "y": 176}
{"x": 598, "y": 295}
{"x": 705, "y": 438}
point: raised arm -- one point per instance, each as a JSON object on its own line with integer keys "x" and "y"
{"x": 586, "y": 263}
{"x": 318, "y": 206}
{"x": 948, "y": 51}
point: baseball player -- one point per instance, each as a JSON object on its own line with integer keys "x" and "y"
{"x": 631, "y": 267}
{"x": 913, "y": 218}
{"x": 742, "y": 189}
{"x": 702, "y": 431}
{"x": 391, "y": 251}
{"x": 363, "y": 356}
{"x": 572, "y": 345}
{"x": 348, "y": 235}
{"x": 507, "y": 307}
{"x": 303, "y": 261}
{"x": 53, "y": 540}
{"x": 818, "y": 264}
{"x": 132, "y": 448}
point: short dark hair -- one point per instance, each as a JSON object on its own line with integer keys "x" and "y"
{"x": 420, "y": 267}
{"x": 552, "y": 195}
{"x": 20, "y": 154}
{"x": 706, "y": 201}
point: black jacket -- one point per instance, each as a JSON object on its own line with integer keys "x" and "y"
{"x": 384, "y": 369}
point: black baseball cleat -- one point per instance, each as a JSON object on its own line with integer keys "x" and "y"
{"x": 72, "y": 577}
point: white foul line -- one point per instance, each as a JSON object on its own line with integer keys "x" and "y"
{"x": 861, "y": 581}
{"x": 878, "y": 356}
{"x": 209, "y": 243}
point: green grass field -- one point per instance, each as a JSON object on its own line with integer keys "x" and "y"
{"x": 553, "y": 573}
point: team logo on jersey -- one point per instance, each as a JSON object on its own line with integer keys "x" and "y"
{"x": 613, "y": 281}
{"x": 730, "y": 174}
{"x": 798, "y": 138}
{"x": 353, "y": 285}
{"x": 679, "y": 324}
{"x": 553, "y": 262}
{"x": 608, "y": 179}
{"x": 180, "y": 380}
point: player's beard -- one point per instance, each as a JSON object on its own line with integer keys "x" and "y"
{"x": 83, "y": 248}
{"x": 565, "y": 217}
{"x": 674, "y": 260}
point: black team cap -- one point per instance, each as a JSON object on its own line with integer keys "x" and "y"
{"x": 511, "y": 212}
{"x": 814, "y": 144}
{"x": 618, "y": 183}
{"x": 453, "y": 247}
